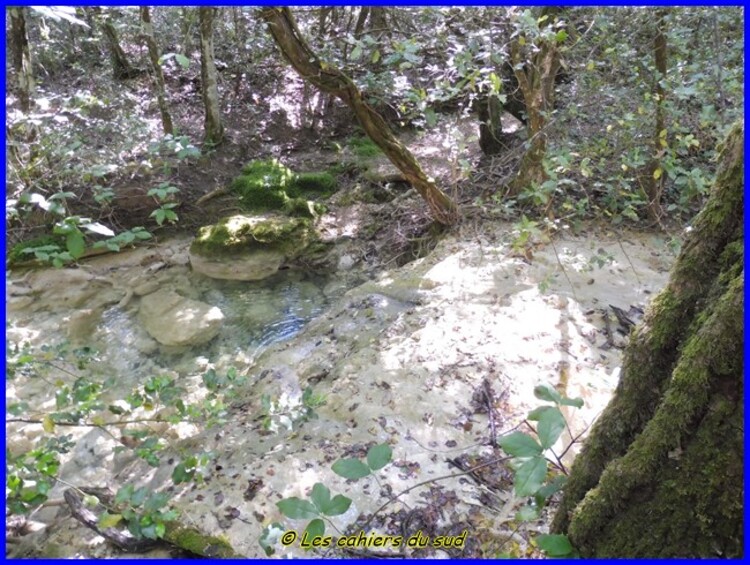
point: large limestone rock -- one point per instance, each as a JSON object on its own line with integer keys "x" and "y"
{"x": 249, "y": 248}
{"x": 172, "y": 319}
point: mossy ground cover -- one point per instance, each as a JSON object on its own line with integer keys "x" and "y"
{"x": 363, "y": 147}
{"x": 269, "y": 185}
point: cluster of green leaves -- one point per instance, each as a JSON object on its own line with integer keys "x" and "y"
{"x": 532, "y": 479}
{"x": 142, "y": 510}
{"x": 164, "y": 194}
{"x": 320, "y": 504}
{"x": 287, "y": 413}
{"x": 81, "y": 399}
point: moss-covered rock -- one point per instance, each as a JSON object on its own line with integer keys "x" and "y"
{"x": 249, "y": 247}
{"x": 269, "y": 185}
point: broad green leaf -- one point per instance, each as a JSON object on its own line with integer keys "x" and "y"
{"x": 520, "y": 444}
{"x": 552, "y": 487}
{"x": 350, "y": 469}
{"x": 316, "y": 528}
{"x": 551, "y": 425}
{"x": 156, "y": 501}
{"x": 337, "y": 505}
{"x": 74, "y": 243}
{"x": 547, "y": 392}
{"x": 181, "y": 474}
{"x": 297, "y": 509}
{"x": 378, "y": 456}
{"x": 356, "y": 53}
{"x": 320, "y": 496}
{"x": 561, "y": 36}
{"x": 183, "y": 61}
{"x": 124, "y": 493}
{"x": 530, "y": 476}
{"x": 554, "y": 545}
{"x": 108, "y": 520}
{"x": 139, "y": 496}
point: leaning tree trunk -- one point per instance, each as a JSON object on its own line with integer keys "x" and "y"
{"x": 661, "y": 474}
{"x": 213, "y": 128}
{"x": 121, "y": 67}
{"x": 18, "y": 41}
{"x": 153, "y": 53}
{"x": 329, "y": 79}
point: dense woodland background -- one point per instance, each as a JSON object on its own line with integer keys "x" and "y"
{"x": 127, "y": 123}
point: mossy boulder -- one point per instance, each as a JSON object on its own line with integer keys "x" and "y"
{"x": 250, "y": 247}
{"x": 269, "y": 185}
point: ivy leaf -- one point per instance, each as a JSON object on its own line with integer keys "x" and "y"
{"x": 297, "y": 509}
{"x": 520, "y": 444}
{"x": 378, "y": 456}
{"x": 350, "y": 469}
{"x": 554, "y": 545}
{"x": 530, "y": 476}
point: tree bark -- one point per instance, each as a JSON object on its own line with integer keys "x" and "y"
{"x": 213, "y": 128}
{"x": 121, "y": 67}
{"x": 329, "y": 79}
{"x": 153, "y": 53}
{"x": 21, "y": 57}
{"x": 661, "y": 474}
{"x": 535, "y": 71}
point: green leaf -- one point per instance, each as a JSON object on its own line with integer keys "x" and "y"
{"x": 297, "y": 509}
{"x": 530, "y": 476}
{"x": 316, "y": 528}
{"x": 375, "y": 57}
{"x": 552, "y": 487}
{"x": 576, "y": 402}
{"x": 547, "y": 392}
{"x": 74, "y": 243}
{"x": 320, "y": 496}
{"x": 378, "y": 456}
{"x": 527, "y": 513}
{"x": 108, "y": 520}
{"x": 139, "y": 496}
{"x": 350, "y": 469}
{"x": 551, "y": 425}
{"x": 356, "y": 53}
{"x": 520, "y": 444}
{"x": 124, "y": 493}
{"x": 338, "y": 505}
{"x": 183, "y": 61}
{"x": 554, "y": 545}
{"x": 561, "y": 36}
{"x": 156, "y": 501}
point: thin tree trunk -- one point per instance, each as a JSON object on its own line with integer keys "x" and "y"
{"x": 153, "y": 53}
{"x": 329, "y": 79}
{"x": 536, "y": 73}
{"x": 661, "y": 474}
{"x": 653, "y": 180}
{"x": 21, "y": 57}
{"x": 213, "y": 128}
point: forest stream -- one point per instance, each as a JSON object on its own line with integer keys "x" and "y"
{"x": 402, "y": 358}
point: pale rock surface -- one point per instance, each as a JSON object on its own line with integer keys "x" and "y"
{"x": 172, "y": 319}
{"x": 253, "y": 266}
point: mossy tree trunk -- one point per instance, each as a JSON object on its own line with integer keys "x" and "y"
{"x": 284, "y": 30}
{"x": 536, "y": 64}
{"x": 18, "y": 41}
{"x": 213, "y": 129}
{"x": 153, "y": 54}
{"x": 661, "y": 474}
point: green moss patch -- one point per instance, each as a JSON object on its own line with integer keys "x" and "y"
{"x": 363, "y": 147}
{"x": 269, "y": 185}
{"x": 238, "y": 234}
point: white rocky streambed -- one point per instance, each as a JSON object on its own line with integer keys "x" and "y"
{"x": 412, "y": 358}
